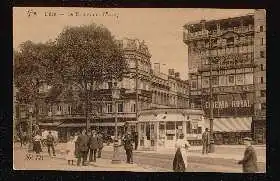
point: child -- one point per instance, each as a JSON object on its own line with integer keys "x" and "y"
{"x": 70, "y": 150}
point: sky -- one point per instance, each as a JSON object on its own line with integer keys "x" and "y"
{"x": 160, "y": 28}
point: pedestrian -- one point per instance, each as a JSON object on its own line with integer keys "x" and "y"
{"x": 76, "y": 145}
{"x": 249, "y": 161}
{"x": 70, "y": 150}
{"x": 100, "y": 144}
{"x": 93, "y": 146}
{"x": 136, "y": 139}
{"x": 128, "y": 146}
{"x": 205, "y": 141}
{"x": 180, "y": 162}
{"x": 88, "y": 135}
{"x": 82, "y": 148}
{"x": 50, "y": 143}
{"x": 37, "y": 146}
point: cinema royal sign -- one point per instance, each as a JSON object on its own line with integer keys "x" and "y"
{"x": 226, "y": 104}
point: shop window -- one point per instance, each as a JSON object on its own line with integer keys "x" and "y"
{"x": 169, "y": 137}
{"x": 263, "y": 93}
{"x": 142, "y": 128}
{"x": 170, "y": 126}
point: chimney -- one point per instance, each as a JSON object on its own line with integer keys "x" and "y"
{"x": 177, "y": 75}
{"x": 157, "y": 67}
{"x": 171, "y": 72}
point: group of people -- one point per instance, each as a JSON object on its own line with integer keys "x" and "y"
{"x": 37, "y": 144}
{"x": 84, "y": 145}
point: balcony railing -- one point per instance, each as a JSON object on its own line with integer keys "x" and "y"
{"x": 205, "y": 34}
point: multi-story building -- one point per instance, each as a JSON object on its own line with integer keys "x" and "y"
{"x": 231, "y": 52}
{"x": 62, "y": 110}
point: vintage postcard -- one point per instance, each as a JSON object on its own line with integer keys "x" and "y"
{"x": 142, "y": 90}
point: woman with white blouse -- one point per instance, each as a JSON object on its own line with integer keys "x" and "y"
{"x": 180, "y": 162}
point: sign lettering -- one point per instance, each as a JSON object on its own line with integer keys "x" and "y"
{"x": 225, "y": 104}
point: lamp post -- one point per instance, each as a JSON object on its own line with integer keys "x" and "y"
{"x": 211, "y": 149}
{"x": 115, "y": 96}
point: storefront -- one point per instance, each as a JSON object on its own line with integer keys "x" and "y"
{"x": 159, "y": 128}
{"x": 260, "y": 130}
{"x": 231, "y": 130}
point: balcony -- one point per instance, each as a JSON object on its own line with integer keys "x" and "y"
{"x": 187, "y": 37}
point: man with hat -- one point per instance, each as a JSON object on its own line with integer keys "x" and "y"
{"x": 249, "y": 161}
{"x": 205, "y": 141}
{"x": 128, "y": 146}
{"x": 82, "y": 146}
{"x": 93, "y": 146}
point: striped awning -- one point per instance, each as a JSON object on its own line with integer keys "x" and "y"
{"x": 233, "y": 124}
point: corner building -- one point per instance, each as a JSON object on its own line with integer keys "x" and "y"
{"x": 62, "y": 110}
{"x": 236, "y": 48}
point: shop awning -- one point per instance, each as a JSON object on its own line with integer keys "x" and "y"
{"x": 91, "y": 124}
{"x": 170, "y": 117}
{"x": 146, "y": 118}
{"x": 236, "y": 124}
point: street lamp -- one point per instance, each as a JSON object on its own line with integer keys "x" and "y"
{"x": 211, "y": 149}
{"x": 115, "y": 97}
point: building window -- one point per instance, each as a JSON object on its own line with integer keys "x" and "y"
{"x": 133, "y": 108}
{"x": 120, "y": 107}
{"x": 194, "y": 84}
{"x": 262, "y": 80}
{"x": 69, "y": 109}
{"x": 262, "y": 54}
{"x": 231, "y": 79}
{"x": 215, "y": 80}
{"x": 110, "y": 85}
{"x": 263, "y": 106}
{"x": 261, "y": 41}
{"x": 262, "y": 69}
{"x": 230, "y": 40}
{"x": 263, "y": 93}
{"x": 261, "y": 28}
{"x": 59, "y": 108}
{"x": 109, "y": 108}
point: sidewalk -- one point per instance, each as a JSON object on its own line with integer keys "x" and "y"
{"x": 232, "y": 152}
{"x": 100, "y": 165}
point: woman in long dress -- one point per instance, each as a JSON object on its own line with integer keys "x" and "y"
{"x": 180, "y": 162}
{"x": 37, "y": 146}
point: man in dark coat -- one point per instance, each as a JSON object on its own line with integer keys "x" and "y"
{"x": 128, "y": 146}
{"x": 82, "y": 145}
{"x": 93, "y": 146}
{"x": 249, "y": 161}
{"x": 205, "y": 141}
{"x": 50, "y": 143}
{"x": 100, "y": 144}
